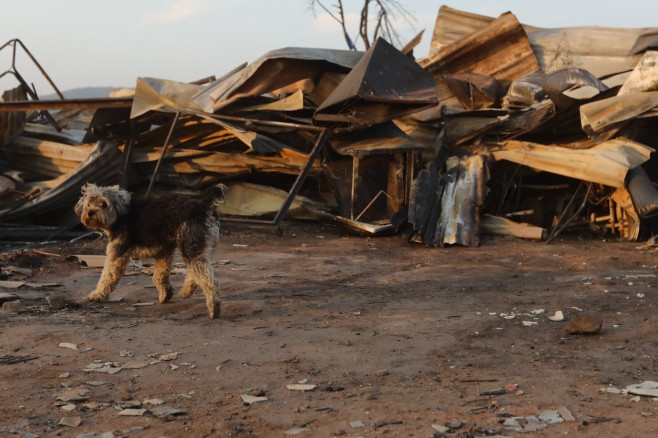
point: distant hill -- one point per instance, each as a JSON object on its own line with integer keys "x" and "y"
{"x": 81, "y": 93}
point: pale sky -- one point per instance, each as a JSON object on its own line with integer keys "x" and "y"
{"x": 83, "y": 43}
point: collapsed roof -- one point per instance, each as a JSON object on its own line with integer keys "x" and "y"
{"x": 501, "y": 128}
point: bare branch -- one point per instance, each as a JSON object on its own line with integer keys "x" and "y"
{"x": 385, "y": 11}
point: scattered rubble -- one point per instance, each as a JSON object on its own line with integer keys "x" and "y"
{"x": 502, "y": 128}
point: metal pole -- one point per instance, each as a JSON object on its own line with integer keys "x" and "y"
{"x": 164, "y": 150}
{"x": 294, "y": 191}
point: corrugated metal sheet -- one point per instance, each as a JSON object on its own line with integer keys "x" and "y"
{"x": 600, "y": 50}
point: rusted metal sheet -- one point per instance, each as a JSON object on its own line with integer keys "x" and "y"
{"x": 500, "y": 49}
{"x": 446, "y": 204}
{"x": 602, "y": 51}
{"x": 11, "y": 124}
{"x": 264, "y": 74}
{"x": 462, "y": 202}
{"x": 606, "y": 163}
{"x": 385, "y": 84}
{"x": 607, "y": 114}
{"x": 475, "y": 91}
{"x": 385, "y": 138}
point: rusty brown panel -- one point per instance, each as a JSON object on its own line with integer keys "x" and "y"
{"x": 501, "y": 49}
{"x": 11, "y": 124}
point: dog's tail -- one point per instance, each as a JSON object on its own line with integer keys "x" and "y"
{"x": 215, "y": 194}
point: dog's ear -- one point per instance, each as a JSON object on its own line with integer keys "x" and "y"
{"x": 85, "y": 189}
{"x": 119, "y": 198}
{"x": 88, "y": 188}
{"x": 78, "y": 207}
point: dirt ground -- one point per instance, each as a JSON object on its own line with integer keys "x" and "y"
{"x": 394, "y": 339}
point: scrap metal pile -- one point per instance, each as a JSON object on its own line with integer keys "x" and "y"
{"x": 503, "y": 128}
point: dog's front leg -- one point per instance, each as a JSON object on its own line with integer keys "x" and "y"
{"x": 114, "y": 266}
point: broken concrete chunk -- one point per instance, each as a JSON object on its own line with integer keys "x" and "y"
{"x": 301, "y": 387}
{"x": 166, "y": 411}
{"x": 70, "y": 421}
{"x": 251, "y": 399}
{"x": 133, "y": 412}
{"x": 550, "y": 416}
{"x": 647, "y": 388}
{"x": 565, "y": 413}
{"x": 73, "y": 395}
{"x": 584, "y": 325}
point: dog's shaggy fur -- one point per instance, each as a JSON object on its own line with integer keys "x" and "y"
{"x": 156, "y": 227}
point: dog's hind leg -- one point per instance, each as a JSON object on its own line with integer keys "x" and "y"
{"x": 189, "y": 286}
{"x": 161, "y": 278}
{"x": 112, "y": 271}
{"x": 202, "y": 275}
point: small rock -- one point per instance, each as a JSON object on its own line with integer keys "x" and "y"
{"x": 295, "y": 431}
{"x": 168, "y": 356}
{"x": 357, "y": 424}
{"x": 455, "y": 424}
{"x": 440, "y": 429}
{"x": 559, "y": 316}
{"x": 154, "y": 401}
{"x": 584, "y": 325}
{"x": 68, "y": 345}
{"x": 611, "y": 390}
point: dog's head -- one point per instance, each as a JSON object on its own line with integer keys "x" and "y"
{"x": 99, "y": 207}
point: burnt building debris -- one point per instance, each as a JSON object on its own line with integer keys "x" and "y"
{"x": 502, "y": 128}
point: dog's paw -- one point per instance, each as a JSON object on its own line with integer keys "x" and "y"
{"x": 96, "y": 296}
{"x": 165, "y": 296}
{"x": 214, "y": 309}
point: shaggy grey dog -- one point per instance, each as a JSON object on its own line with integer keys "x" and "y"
{"x": 155, "y": 228}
